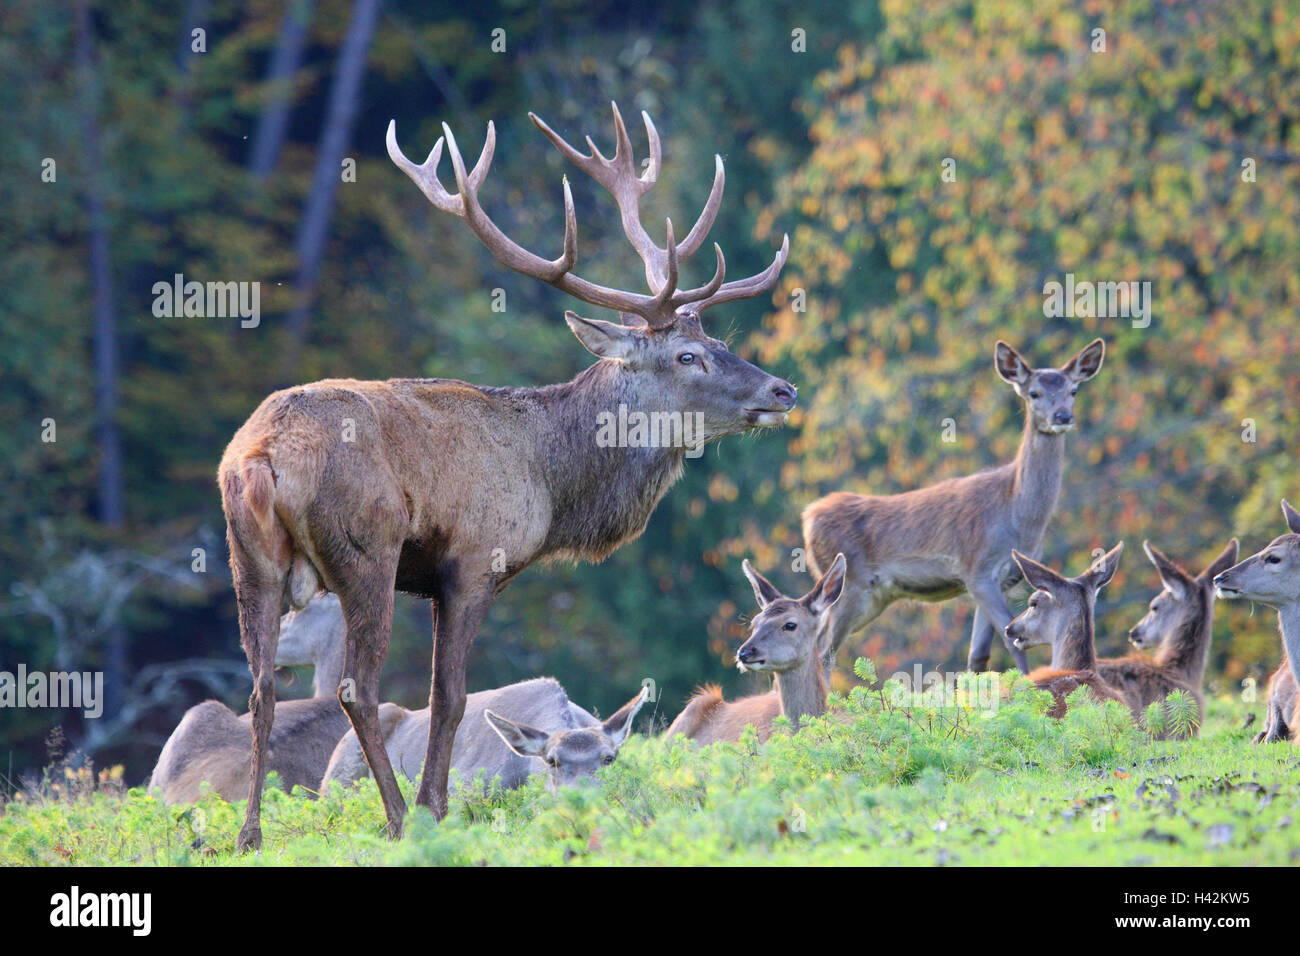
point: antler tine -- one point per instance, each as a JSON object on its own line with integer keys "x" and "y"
{"x": 752, "y": 286}
{"x": 651, "y": 174}
{"x": 426, "y": 174}
{"x": 687, "y": 296}
{"x": 665, "y": 295}
{"x": 695, "y": 238}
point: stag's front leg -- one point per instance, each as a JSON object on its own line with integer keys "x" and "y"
{"x": 456, "y": 622}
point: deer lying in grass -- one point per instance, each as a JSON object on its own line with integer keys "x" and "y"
{"x": 547, "y": 733}
{"x": 448, "y": 490}
{"x": 212, "y": 744}
{"x": 1060, "y": 613}
{"x": 935, "y": 543}
{"x": 1281, "y": 720}
{"x": 1272, "y": 577}
{"x": 784, "y": 640}
{"x": 1178, "y": 624}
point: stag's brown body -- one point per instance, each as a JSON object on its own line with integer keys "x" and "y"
{"x": 447, "y": 490}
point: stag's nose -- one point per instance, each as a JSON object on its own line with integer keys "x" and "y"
{"x": 785, "y": 393}
{"x": 747, "y": 655}
{"x": 1063, "y": 418}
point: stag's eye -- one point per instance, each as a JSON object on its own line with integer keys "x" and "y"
{"x": 789, "y": 626}
{"x": 686, "y": 358}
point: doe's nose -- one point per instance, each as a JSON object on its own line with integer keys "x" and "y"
{"x": 1063, "y": 418}
{"x": 785, "y": 393}
{"x": 747, "y": 654}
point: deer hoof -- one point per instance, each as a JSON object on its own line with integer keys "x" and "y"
{"x": 978, "y": 664}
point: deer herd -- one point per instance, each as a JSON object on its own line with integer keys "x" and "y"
{"x": 339, "y": 493}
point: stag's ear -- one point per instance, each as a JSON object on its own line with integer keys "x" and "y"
{"x": 1087, "y": 363}
{"x": 522, "y": 739}
{"x": 619, "y": 725}
{"x": 1226, "y": 559}
{"x": 606, "y": 339}
{"x": 1038, "y": 575}
{"x": 764, "y": 591}
{"x": 1171, "y": 575}
{"x": 828, "y": 588}
{"x": 1102, "y": 570}
{"x": 1292, "y": 518}
{"x": 1010, "y": 365}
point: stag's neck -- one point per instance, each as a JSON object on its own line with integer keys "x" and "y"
{"x": 802, "y": 691}
{"x": 600, "y": 496}
{"x": 1037, "y": 474}
{"x": 1288, "y": 620}
{"x": 1185, "y": 651}
{"x": 1075, "y": 650}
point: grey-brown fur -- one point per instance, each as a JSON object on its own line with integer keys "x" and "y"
{"x": 211, "y": 744}
{"x": 934, "y": 543}
{"x": 1272, "y": 577}
{"x": 538, "y": 703}
{"x": 448, "y": 490}
{"x": 791, "y": 654}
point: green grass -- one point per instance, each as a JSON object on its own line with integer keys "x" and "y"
{"x": 873, "y": 782}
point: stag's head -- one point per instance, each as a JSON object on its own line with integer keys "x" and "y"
{"x": 1059, "y": 605}
{"x": 1049, "y": 393}
{"x": 1271, "y": 576}
{"x": 1182, "y": 599}
{"x": 785, "y": 633}
{"x": 572, "y": 757}
{"x": 660, "y": 344}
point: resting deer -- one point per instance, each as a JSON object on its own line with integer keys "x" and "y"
{"x": 548, "y": 733}
{"x": 211, "y": 744}
{"x": 1272, "y": 577}
{"x": 448, "y": 490}
{"x": 1178, "y": 624}
{"x": 1060, "y": 613}
{"x": 935, "y": 543}
{"x": 784, "y": 640}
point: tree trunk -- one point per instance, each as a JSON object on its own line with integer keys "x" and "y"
{"x": 269, "y": 137}
{"x": 342, "y": 109}
{"x": 111, "y": 504}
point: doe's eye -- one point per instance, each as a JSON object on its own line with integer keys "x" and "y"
{"x": 686, "y": 358}
{"x": 1272, "y": 559}
{"x": 1034, "y": 394}
{"x": 607, "y": 759}
{"x": 1074, "y": 391}
{"x": 788, "y": 626}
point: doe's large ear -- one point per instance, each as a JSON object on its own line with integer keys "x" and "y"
{"x": 1102, "y": 570}
{"x": 1171, "y": 575}
{"x": 1226, "y": 559}
{"x": 1010, "y": 365}
{"x": 606, "y": 339}
{"x": 828, "y": 588}
{"x": 1292, "y": 518}
{"x": 1038, "y": 575}
{"x": 619, "y": 724}
{"x": 1087, "y": 363}
{"x": 765, "y": 591}
{"x": 522, "y": 739}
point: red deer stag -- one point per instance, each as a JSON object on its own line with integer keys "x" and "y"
{"x": 447, "y": 490}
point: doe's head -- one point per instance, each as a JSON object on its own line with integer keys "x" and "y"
{"x": 1270, "y": 576}
{"x": 572, "y": 756}
{"x": 787, "y": 633}
{"x": 1059, "y": 604}
{"x": 1048, "y": 392}
{"x": 1182, "y": 598}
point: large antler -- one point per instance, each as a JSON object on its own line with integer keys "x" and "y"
{"x": 660, "y": 308}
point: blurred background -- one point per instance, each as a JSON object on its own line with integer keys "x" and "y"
{"x": 222, "y": 155}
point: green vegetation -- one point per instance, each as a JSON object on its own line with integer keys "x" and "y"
{"x": 872, "y": 782}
